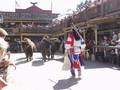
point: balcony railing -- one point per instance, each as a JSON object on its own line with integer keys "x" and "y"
{"x": 35, "y": 30}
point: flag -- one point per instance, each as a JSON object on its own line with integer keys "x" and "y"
{"x": 16, "y": 4}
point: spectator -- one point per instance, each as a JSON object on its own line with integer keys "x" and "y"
{"x": 114, "y": 38}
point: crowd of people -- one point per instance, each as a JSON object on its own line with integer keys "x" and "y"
{"x": 108, "y": 50}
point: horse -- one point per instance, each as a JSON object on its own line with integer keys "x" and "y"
{"x": 28, "y": 47}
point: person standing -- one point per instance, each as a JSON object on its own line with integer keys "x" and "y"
{"x": 6, "y": 65}
{"x": 73, "y": 48}
{"x": 114, "y": 38}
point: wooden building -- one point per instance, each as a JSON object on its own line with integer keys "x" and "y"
{"x": 100, "y": 19}
{"x": 32, "y": 22}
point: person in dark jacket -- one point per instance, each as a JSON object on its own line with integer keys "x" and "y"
{"x": 28, "y": 47}
{"x": 45, "y": 47}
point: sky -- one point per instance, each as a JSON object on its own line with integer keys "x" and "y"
{"x": 58, "y": 6}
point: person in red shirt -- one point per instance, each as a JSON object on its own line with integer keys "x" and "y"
{"x": 73, "y": 48}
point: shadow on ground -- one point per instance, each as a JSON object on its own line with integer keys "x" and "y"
{"x": 21, "y": 62}
{"x": 61, "y": 59}
{"x": 40, "y": 61}
{"x": 20, "y": 58}
{"x": 65, "y": 83}
{"x": 37, "y": 62}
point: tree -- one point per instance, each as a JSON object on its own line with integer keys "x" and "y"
{"x": 83, "y": 6}
{"x": 80, "y": 7}
{"x": 87, "y": 4}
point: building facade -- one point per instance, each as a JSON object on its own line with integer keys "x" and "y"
{"x": 32, "y": 22}
{"x": 97, "y": 21}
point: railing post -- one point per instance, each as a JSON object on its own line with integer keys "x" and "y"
{"x": 21, "y": 38}
{"x": 96, "y": 37}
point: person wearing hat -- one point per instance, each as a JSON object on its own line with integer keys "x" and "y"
{"x": 45, "y": 47}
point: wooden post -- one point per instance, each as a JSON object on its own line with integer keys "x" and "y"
{"x": 96, "y": 38}
{"x": 21, "y": 38}
{"x": 96, "y": 42}
{"x": 84, "y": 35}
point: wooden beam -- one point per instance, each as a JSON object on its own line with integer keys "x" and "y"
{"x": 34, "y": 34}
{"x": 101, "y": 20}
